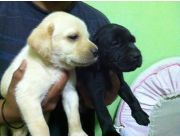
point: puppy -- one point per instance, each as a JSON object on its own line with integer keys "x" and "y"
{"x": 118, "y": 54}
{"x": 60, "y": 41}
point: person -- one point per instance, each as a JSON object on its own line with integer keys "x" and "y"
{"x": 17, "y": 21}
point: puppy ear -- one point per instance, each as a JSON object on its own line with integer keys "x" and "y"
{"x": 95, "y": 38}
{"x": 41, "y": 40}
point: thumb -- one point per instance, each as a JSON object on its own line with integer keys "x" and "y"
{"x": 56, "y": 89}
{"x": 18, "y": 74}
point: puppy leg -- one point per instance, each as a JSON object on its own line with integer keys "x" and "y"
{"x": 71, "y": 106}
{"x": 87, "y": 119}
{"x": 103, "y": 115}
{"x": 32, "y": 113}
{"x": 19, "y": 132}
{"x": 126, "y": 94}
{"x": 96, "y": 87}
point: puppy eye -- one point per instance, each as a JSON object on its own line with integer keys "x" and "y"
{"x": 73, "y": 37}
{"x": 132, "y": 39}
{"x": 115, "y": 42}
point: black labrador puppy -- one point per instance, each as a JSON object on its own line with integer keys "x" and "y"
{"x": 118, "y": 53}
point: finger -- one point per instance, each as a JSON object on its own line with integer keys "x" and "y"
{"x": 55, "y": 90}
{"x": 18, "y": 74}
{"x": 58, "y": 86}
{"x": 23, "y": 65}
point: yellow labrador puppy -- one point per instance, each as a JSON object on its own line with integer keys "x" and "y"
{"x": 60, "y": 41}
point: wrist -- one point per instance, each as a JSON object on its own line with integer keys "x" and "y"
{"x": 4, "y": 115}
{"x": 1, "y": 119}
{"x": 10, "y": 114}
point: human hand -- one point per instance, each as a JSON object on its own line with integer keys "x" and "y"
{"x": 53, "y": 96}
{"x": 11, "y": 110}
{"x": 109, "y": 95}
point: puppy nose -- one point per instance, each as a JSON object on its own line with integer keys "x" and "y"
{"x": 136, "y": 56}
{"x": 94, "y": 52}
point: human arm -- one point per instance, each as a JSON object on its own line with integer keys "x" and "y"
{"x": 11, "y": 111}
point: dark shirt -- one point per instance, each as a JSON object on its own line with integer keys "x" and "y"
{"x": 17, "y": 19}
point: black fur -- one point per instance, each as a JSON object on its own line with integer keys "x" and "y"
{"x": 117, "y": 52}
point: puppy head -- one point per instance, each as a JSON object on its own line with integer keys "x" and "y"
{"x": 63, "y": 40}
{"x": 116, "y": 46}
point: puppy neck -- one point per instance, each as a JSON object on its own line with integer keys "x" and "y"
{"x": 47, "y": 61}
{"x": 63, "y": 65}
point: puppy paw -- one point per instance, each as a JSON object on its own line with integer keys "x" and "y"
{"x": 141, "y": 117}
{"x": 111, "y": 132}
{"x": 78, "y": 133}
